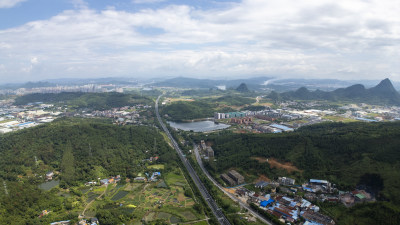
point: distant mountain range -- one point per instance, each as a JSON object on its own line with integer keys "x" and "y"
{"x": 185, "y": 82}
{"x": 383, "y": 93}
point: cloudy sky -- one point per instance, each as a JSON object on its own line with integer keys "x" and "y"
{"x": 341, "y": 39}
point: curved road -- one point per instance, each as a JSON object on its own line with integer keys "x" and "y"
{"x": 203, "y": 190}
{"x": 242, "y": 204}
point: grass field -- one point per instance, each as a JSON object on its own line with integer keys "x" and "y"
{"x": 156, "y": 167}
{"x": 201, "y": 223}
{"x": 175, "y": 179}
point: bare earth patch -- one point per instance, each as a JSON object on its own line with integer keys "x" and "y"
{"x": 230, "y": 190}
{"x": 260, "y": 159}
{"x": 180, "y": 99}
{"x": 262, "y": 178}
{"x": 286, "y": 166}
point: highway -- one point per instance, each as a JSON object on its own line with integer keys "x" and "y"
{"x": 203, "y": 190}
{"x": 242, "y": 204}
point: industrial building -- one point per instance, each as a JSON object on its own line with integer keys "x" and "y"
{"x": 239, "y": 179}
{"x": 228, "y": 180}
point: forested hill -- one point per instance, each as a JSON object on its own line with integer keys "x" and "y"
{"x": 347, "y": 154}
{"x": 97, "y": 101}
{"x": 115, "y": 149}
{"x": 81, "y": 151}
{"x": 383, "y": 93}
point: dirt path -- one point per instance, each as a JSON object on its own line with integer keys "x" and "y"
{"x": 196, "y": 221}
{"x": 87, "y": 206}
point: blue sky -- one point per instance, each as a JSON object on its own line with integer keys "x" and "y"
{"x": 44, "y": 39}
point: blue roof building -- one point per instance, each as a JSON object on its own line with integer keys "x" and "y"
{"x": 266, "y": 203}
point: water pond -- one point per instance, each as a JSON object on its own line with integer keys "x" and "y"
{"x": 200, "y": 126}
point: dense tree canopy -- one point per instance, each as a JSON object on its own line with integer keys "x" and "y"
{"x": 348, "y": 155}
{"x": 80, "y": 150}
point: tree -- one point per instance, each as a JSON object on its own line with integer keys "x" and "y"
{"x": 67, "y": 165}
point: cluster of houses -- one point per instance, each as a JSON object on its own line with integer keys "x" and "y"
{"x": 290, "y": 209}
{"x": 287, "y": 209}
{"x": 92, "y": 221}
{"x": 14, "y": 118}
{"x": 110, "y": 180}
{"x": 315, "y": 185}
{"x": 153, "y": 177}
{"x": 123, "y": 115}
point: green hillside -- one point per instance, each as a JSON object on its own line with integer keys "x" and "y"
{"x": 181, "y": 110}
{"x": 80, "y": 151}
{"x": 348, "y": 155}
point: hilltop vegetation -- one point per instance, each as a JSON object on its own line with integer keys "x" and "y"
{"x": 205, "y": 107}
{"x": 348, "y": 155}
{"x": 242, "y": 88}
{"x": 181, "y": 110}
{"x": 80, "y": 150}
{"x": 91, "y": 144}
{"x": 80, "y": 100}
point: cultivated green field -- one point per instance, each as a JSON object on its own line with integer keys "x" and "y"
{"x": 148, "y": 202}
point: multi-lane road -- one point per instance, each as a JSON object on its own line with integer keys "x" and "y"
{"x": 203, "y": 190}
{"x": 242, "y": 204}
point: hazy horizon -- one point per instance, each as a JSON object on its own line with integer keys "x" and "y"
{"x": 161, "y": 78}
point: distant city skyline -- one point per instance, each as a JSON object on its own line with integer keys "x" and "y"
{"x": 318, "y": 39}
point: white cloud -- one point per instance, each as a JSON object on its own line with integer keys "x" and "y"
{"x": 10, "y": 3}
{"x": 34, "y": 60}
{"x": 80, "y": 4}
{"x": 4, "y": 45}
{"x": 340, "y": 39}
